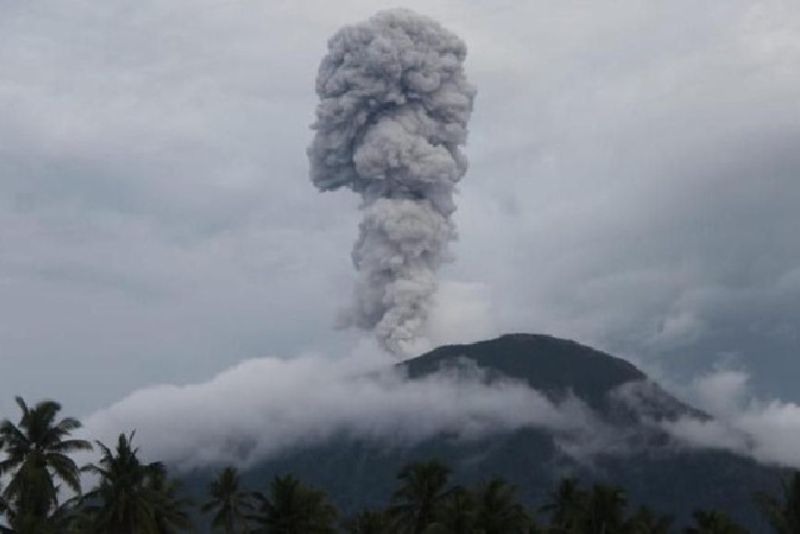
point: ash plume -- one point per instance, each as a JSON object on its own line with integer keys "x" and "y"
{"x": 393, "y": 112}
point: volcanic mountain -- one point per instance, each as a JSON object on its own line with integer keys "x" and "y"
{"x": 627, "y": 447}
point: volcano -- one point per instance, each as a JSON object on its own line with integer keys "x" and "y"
{"x": 629, "y": 449}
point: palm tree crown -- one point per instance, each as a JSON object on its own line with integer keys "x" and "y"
{"x": 37, "y": 456}
{"x": 457, "y": 512}
{"x": 566, "y": 506}
{"x": 293, "y": 508}
{"x": 231, "y": 503}
{"x": 645, "y": 521}
{"x": 368, "y": 522}
{"x": 498, "y": 511}
{"x": 783, "y": 513}
{"x": 713, "y": 522}
{"x": 133, "y": 497}
{"x": 605, "y": 512}
{"x": 423, "y": 489}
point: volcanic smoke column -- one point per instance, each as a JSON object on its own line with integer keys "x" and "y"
{"x": 393, "y": 111}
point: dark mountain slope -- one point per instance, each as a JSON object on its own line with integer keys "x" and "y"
{"x": 548, "y": 364}
{"x": 644, "y": 460}
{"x": 554, "y": 367}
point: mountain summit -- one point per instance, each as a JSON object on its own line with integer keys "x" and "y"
{"x": 559, "y": 368}
{"x": 547, "y": 363}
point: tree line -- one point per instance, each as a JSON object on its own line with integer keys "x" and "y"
{"x": 134, "y": 497}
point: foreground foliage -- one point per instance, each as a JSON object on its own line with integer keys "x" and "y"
{"x": 130, "y": 496}
{"x": 231, "y": 504}
{"x": 37, "y": 457}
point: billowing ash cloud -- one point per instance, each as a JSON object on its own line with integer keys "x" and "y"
{"x": 393, "y": 112}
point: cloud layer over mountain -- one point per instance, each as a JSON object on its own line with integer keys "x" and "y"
{"x": 267, "y": 406}
{"x": 766, "y": 429}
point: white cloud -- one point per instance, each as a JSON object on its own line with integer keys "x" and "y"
{"x": 768, "y": 430}
{"x": 266, "y": 406}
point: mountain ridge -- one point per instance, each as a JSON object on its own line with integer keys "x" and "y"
{"x": 555, "y": 367}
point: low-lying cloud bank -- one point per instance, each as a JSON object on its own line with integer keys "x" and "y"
{"x": 767, "y": 430}
{"x": 262, "y": 407}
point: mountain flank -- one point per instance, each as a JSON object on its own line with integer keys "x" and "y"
{"x": 654, "y": 469}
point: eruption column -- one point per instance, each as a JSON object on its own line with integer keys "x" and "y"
{"x": 393, "y": 112}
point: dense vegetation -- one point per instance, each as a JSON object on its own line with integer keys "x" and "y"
{"x": 130, "y": 496}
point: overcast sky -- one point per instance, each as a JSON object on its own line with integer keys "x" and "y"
{"x": 634, "y": 184}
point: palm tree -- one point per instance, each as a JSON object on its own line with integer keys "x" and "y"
{"x": 4, "y": 509}
{"x": 292, "y": 508}
{"x": 62, "y": 520}
{"x": 231, "y": 503}
{"x": 169, "y": 510}
{"x": 368, "y": 522}
{"x": 37, "y": 455}
{"x": 417, "y": 501}
{"x": 498, "y": 511}
{"x": 783, "y": 514}
{"x": 713, "y": 522}
{"x": 131, "y": 497}
{"x": 456, "y": 514}
{"x": 605, "y": 510}
{"x": 566, "y": 506}
{"x": 645, "y": 521}
{"x": 3, "y": 505}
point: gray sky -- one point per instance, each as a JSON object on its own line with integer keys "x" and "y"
{"x": 634, "y": 184}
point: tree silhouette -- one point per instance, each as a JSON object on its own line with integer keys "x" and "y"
{"x": 132, "y": 497}
{"x": 497, "y": 509}
{"x": 645, "y": 521}
{"x": 229, "y": 501}
{"x": 605, "y": 510}
{"x": 368, "y": 522}
{"x": 37, "y": 456}
{"x": 169, "y": 510}
{"x": 292, "y": 508}
{"x": 566, "y": 506}
{"x": 713, "y": 522}
{"x": 423, "y": 488}
{"x": 783, "y": 513}
{"x": 457, "y": 513}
